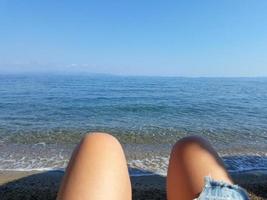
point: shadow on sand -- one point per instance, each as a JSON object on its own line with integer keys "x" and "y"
{"x": 44, "y": 185}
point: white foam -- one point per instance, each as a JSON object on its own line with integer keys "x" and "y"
{"x": 33, "y": 169}
{"x": 30, "y": 160}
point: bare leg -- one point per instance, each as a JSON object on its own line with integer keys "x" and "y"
{"x": 97, "y": 171}
{"x": 192, "y": 159}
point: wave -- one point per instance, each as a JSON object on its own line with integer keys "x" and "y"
{"x": 156, "y": 165}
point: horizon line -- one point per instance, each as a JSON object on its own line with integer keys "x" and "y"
{"x": 127, "y": 75}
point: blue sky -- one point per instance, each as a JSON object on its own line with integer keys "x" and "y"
{"x": 168, "y": 38}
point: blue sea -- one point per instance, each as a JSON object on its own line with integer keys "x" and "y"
{"x": 42, "y": 118}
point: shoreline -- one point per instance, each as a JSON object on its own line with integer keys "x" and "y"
{"x": 44, "y": 185}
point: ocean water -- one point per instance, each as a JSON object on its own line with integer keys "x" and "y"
{"x": 43, "y": 117}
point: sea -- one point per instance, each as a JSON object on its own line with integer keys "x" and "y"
{"x": 44, "y": 116}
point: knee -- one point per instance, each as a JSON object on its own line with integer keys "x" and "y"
{"x": 100, "y": 139}
{"x": 190, "y": 145}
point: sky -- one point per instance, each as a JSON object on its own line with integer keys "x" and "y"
{"x": 140, "y": 37}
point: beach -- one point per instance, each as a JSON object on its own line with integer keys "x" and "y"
{"x": 44, "y": 117}
{"x": 159, "y": 76}
{"x": 44, "y": 185}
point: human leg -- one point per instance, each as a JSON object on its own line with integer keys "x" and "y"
{"x": 192, "y": 159}
{"x": 96, "y": 171}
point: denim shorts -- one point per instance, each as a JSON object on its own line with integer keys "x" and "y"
{"x": 221, "y": 191}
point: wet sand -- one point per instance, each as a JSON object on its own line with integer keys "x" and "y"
{"x": 34, "y": 185}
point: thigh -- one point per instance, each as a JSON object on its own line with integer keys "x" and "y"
{"x": 97, "y": 171}
{"x": 192, "y": 159}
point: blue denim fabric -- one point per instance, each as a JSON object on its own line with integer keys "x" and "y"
{"x": 221, "y": 191}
